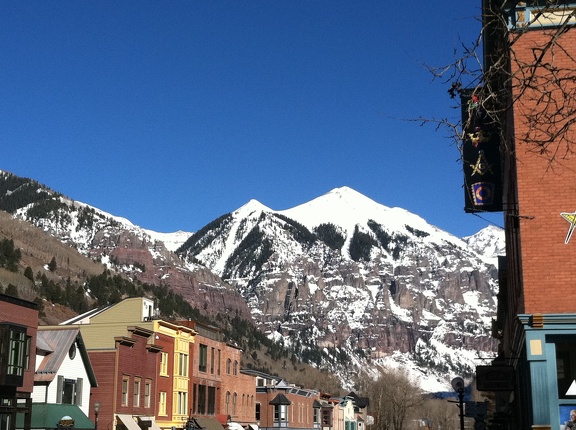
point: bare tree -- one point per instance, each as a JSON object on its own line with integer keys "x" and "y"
{"x": 393, "y": 399}
{"x": 440, "y": 415}
{"x": 530, "y": 72}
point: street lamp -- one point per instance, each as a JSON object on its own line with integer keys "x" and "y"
{"x": 458, "y": 385}
{"x": 96, "y": 410}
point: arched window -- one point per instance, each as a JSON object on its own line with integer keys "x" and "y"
{"x": 235, "y": 367}
{"x": 228, "y": 366}
{"x": 228, "y": 402}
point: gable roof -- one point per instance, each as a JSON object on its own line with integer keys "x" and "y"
{"x": 56, "y": 343}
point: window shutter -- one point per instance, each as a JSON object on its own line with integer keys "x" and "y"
{"x": 78, "y": 399}
{"x": 59, "y": 389}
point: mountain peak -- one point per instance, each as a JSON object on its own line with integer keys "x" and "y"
{"x": 342, "y": 206}
{"x": 346, "y": 193}
{"x": 253, "y": 206}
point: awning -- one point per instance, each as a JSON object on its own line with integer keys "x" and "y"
{"x": 49, "y": 415}
{"x": 235, "y": 426}
{"x": 128, "y": 421}
{"x": 253, "y": 426}
{"x": 209, "y": 423}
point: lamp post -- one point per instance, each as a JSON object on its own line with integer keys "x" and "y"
{"x": 96, "y": 411}
{"x": 458, "y": 385}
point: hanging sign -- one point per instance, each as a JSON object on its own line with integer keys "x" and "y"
{"x": 481, "y": 157}
{"x": 495, "y": 378}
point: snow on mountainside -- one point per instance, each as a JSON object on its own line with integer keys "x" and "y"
{"x": 172, "y": 241}
{"x": 347, "y": 208}
{"x": 141, "y": 254}
{"x": 489, "y": 243}
{"x": 348, "y": 284}
{"x": 375, "y": 284}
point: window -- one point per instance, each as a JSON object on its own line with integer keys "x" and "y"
{"x": 326, "y": 417}
{"x": 19, "y": 351}
{"x": 211, "y": 400}
{"x": 228, "y": 402}
{"x": 147, "y": 393}
{"x": 235, "y": 368}
{"x": 257, "y": 413}
{"x": 316, "y": 416}
{"x": 136, "y": 392}
{"x": 565, "y": 368}
{"x": 234, "y": 402}
{"x": 164, "y": 363}
{"x": 218, "y": 361}
{"x": 202, "y": 399}
{"x": 280, "y": 413}
{"x": 228, "y": 366}
{"x": 182, "y": 364}
{"x": 125, "y": 381}
{"x": 212, "y": 357}
{"x": 181, "y": 403}
{"x": 72, "y": 352}
{"x": 203, "y": 359}
{"x": 162, "y": 403}
{"x": 69, "y": 391}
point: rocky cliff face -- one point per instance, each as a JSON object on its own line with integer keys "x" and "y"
{"x": 360, "y": 279}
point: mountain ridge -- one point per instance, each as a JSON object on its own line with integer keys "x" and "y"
{"x": 368, "y": 292}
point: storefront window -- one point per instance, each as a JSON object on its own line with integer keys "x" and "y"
{"x": 566, "y": 369}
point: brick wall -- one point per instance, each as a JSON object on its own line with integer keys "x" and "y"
{"x": 240, "y": 386}
{"x": 544, "y": 191}
{"x": 133, "y": 360}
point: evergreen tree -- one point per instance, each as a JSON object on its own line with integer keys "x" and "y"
{"x": 12, "y": 290}
{"x": 29, "y": 273}
{"x": 9, "y": 255}
{"x": 52, "y": 265}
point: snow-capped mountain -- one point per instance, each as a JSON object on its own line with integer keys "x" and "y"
{"x": 373, "y": 283}
{"x": 488, "y": 242}
{"x": 346, "y": 283}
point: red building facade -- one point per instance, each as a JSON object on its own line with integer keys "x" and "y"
{"x": 18, "y": 332}
{"x": 536, "y": 321}
{"x": 219, "y": 389}
{"x": 127, "y": 383}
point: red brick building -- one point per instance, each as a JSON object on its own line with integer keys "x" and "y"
{"x": 18, "y": 331}
{"x": 283, "y": 405}
{"x": 127, "y": 379}
{"x": 239, "y": 394}
{"x": 219, "y": 389}
{"x": 536, "y": 321}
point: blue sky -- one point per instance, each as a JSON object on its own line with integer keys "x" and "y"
{"x": 172, "y": 113}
